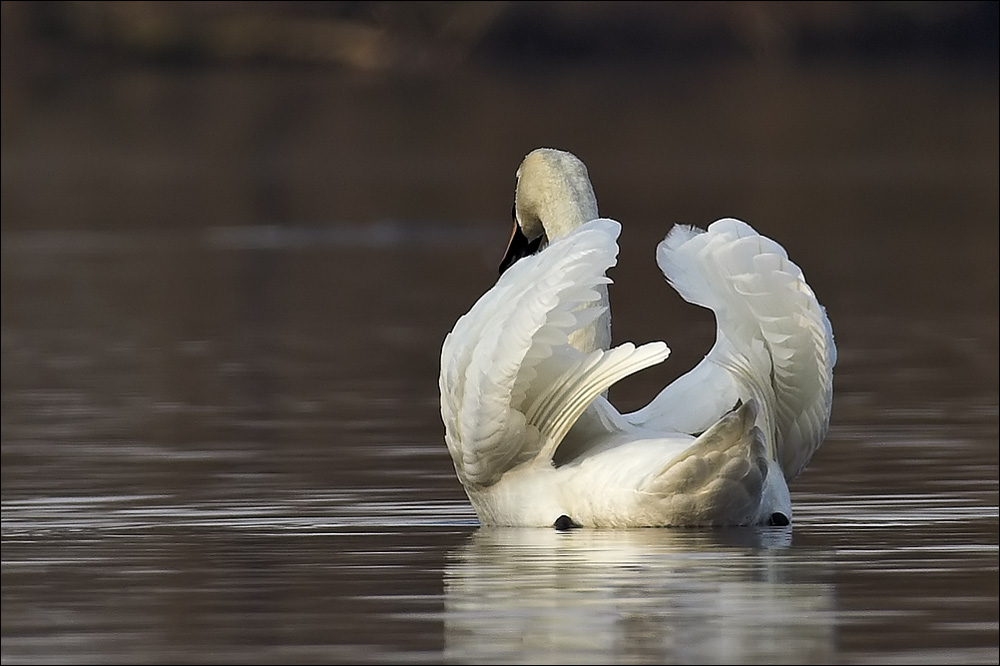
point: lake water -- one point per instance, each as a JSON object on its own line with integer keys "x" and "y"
{"x": 221, "y": 439}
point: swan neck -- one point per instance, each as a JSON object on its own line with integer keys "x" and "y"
{"x": 554, "y": 197}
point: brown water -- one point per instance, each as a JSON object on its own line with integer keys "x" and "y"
{"x": 223, "y": 301}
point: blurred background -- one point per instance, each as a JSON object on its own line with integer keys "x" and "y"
{"x": 177, "y": 114}
{"x": 857, "y": 133}
{"x": 235, "y": 234}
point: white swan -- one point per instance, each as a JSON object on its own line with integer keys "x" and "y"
{"x": 523, "y": 376}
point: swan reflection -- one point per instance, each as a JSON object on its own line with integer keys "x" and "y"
{"x": 649, "y": 595}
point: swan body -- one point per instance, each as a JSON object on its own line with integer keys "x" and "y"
{"x": 535, "y": 441}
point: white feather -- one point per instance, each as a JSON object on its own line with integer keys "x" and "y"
{"x": 523, "y": 375}
{"x": 778, "y": 344}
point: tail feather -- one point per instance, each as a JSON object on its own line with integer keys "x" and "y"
{"x": 722, "y": 473}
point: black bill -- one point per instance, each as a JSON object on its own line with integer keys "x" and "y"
{"x": 518, "y": 248}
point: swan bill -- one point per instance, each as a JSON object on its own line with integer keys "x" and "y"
{"x": 518, "y": 247}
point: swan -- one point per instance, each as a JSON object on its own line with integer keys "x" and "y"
{"x": 525, "y": 373}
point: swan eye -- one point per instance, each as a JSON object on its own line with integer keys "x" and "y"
{"x": 535, "y": 245}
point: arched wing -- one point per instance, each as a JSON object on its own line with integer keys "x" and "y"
{"x": 774, "y": 342}
{"x": 511, "y": 385}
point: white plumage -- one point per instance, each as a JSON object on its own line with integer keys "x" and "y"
{"x": 523, "y": 376}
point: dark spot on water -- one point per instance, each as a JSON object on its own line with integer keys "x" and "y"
{"x": 564, "y": 522}
{"x": 778, "y": 519}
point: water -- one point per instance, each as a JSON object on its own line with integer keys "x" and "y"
{"x": 221, "y": 441}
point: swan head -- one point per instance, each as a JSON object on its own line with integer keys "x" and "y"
{"x": 553, "y": 197}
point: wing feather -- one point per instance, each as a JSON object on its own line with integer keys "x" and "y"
{"x": 511, "y": 385}
{"x": 774, "y": 342}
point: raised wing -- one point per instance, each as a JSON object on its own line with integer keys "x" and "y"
{"x": 511, "y": 385}
{"x": 774, "y": 342}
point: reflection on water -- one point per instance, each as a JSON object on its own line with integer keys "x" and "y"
{"x": 652, "y": 596}
{"x": 355, "y": 577}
